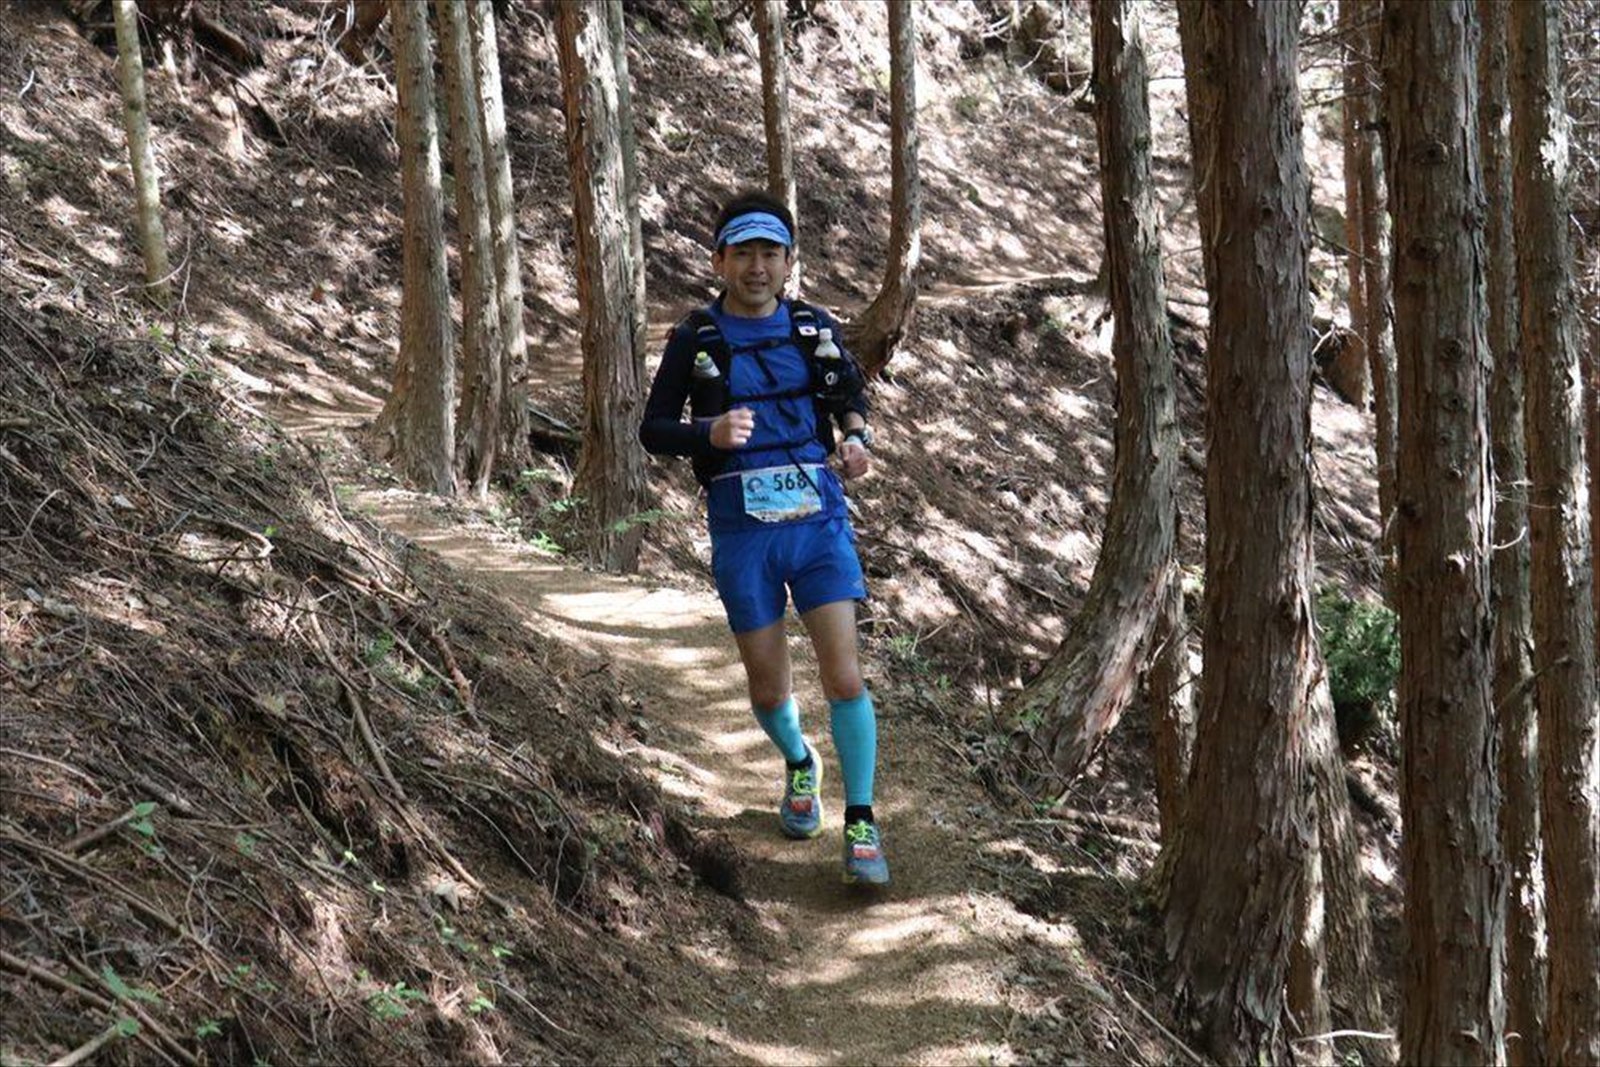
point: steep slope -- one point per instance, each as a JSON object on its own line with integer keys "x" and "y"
{"x": 207, "y": 611}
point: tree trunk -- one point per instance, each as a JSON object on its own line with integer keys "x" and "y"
{"x": 1172, "y": 716}
{"x": 514, "y": 450}
{"x": 775, "y": 115}
{"x": 1526, "y": 973}
{"x": 617, "y": 26}
{"x": 875, "y": 335}
{"x": 146, "y": 181}
{"x": 417, "y": 425}
{"x": 1562, "y": 564}
{"x": 358, "y": 24}
{"x": 1092, "y": 677}
{"x": 481, "y": 358}
{"x": 610, "y": 476}
{"x": 1591, "y": 422}
{"x": 1452, "y": 992}
{"x": 1248, "y": 841}
{"x": 1350, "y": 369}
{"x": 1346, "y": 920}
{"x": 1376, "y": 286}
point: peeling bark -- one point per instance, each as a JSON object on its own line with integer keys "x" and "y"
{"x": 1562, "y": 556}
{"x": 1244, "y": 857}
{"x": 775, "y": 116}
{"x": 1089, "y": 682}
{"x": 610, "y": 475}
{"x": 481, "y": 360}
{"x": 1526, "y": 969}
{"x": 874, "y": 336}
{"x": 417, "y": 425}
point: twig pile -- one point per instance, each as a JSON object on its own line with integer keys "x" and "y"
{"x": 259, "y": 797}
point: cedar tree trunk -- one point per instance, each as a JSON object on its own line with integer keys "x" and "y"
{"x": 1247, "y": 847}
{"x": 874, "y": 336}
{"x": 1452, "y": 976}
{"x": 1526, "y": 972}
{"x": 481, "y": 358}
{"x": 417, "y": 425}
{"x": 1562, "y": 560}
{"x": 1376, "y": 287}
{"x": 610, "y": 476}
{"x": 514, "y": 450}
{"x": 775, "y": 115}
{"x": 1089, "y": 682}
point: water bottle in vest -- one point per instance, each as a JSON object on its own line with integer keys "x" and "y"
{"x": 830, "y": 364}
{"x": 707, "y": 392}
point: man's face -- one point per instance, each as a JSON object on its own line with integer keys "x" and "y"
{"x": 754, "y": 273}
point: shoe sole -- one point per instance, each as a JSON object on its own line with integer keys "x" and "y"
{"x": 850, "y": 879}
{"x": 816, "y": 762}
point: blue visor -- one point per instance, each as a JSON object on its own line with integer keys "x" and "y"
{"x": 755, "y": 226}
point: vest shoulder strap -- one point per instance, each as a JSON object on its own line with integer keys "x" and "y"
{"x": 707, "y": 336}
{"x": 803, "y": 325}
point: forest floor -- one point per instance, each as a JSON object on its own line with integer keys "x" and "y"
{"x": 947, "y": 965}
{"x": 618, "y": 807}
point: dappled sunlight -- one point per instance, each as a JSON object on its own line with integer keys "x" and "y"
{"x": 755, "y": 1050}
{"x": 656, "y": 609}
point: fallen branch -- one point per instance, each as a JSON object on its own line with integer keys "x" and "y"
{"x": 357, "y": 709}
{"x": 1117, "y": 824}
{"x": 88, "y": 874}
{"x": 89, "y": 1048}
{"x": 364, "y": 726}
{"x": 84, "y": 840}
{"x": 50, "y": 980}
{"x": 127, "y": 1002}
{"x": 463, "y": 687}
{"x": 1170, "y": 1036}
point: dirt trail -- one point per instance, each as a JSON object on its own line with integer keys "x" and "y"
{"x": 925, "y": 972}
{"x": 912, "y": 975}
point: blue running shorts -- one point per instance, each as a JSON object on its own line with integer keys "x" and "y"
{"x": 757, "y": 570}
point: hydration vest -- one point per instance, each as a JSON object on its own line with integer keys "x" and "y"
{"x": 830, "y": 388}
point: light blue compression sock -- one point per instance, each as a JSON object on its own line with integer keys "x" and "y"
{"x": 782, "y": 724}
{"x": 855, "y": 738}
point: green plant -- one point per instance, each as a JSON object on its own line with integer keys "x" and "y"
{"x": 527, "y": 479}
{"x": 638, "y": 518}
{"x": 905, "y": 650}
{"x": 209, "y": 1028}
{"x": 244, "y": 977}
{"x": 562, "y": 506}
{"x": 123, "y": 990}
{"x": 541, "y": 540}
{"x": 390, "y": 1002}
{"x": 703, "y": 20}
{"x": 967, "y": 106}
{"x": 480, "y": 1004}
{"x": 451, "y": 937}
{"x": 378, "y": 648}
{"x": 143, "y": 824}
{"x": 410, "y": 678}
{"x": 1361, "y": 644}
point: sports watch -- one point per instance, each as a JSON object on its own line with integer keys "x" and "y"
{"x": 862, "y": 434}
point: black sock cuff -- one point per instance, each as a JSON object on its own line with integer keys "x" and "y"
{"x": 858, "y": 813}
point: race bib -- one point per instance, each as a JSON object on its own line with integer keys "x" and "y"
{"x": 779, "y": 494}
